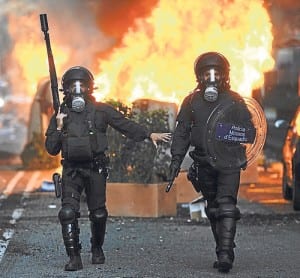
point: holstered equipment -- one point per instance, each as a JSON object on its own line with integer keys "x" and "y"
{"x": 195, "y": 171}
{"x": 57, "y": 184}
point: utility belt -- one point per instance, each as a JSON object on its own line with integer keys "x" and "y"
{"x": 100, "y": 161}
{"x": 201, "y": 160}
{"x": 99, "y": 164}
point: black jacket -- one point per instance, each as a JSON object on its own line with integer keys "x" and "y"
{"x": 104, "y": 115}
{"x": 192, "y": 122}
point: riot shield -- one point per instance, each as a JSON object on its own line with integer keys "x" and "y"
{"x": 235, "y": 134}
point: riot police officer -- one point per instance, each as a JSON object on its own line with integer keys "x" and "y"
{"x": 78, "y": 131}
{"x": 219, "y": 185}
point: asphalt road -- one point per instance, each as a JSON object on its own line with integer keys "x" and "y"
{"x": 268, "y": 237}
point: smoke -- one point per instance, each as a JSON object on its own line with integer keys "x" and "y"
{"x": 285, "y": 4}
{"x": 115, "y": 17}
{"x": 80, "y": 32}
{"x": 286, "y": 22}
{"x": 72, "y": 25}
{"x": 85, "y": 29}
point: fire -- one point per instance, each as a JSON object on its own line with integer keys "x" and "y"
{"x": 27, "y": 50}
{"x": 156, "y": 58}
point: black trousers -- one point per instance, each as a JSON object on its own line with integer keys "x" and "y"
{"x": 75, "y": 180}
{"x": 214, "y": 184}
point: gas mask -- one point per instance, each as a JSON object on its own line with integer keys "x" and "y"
{"x": 77, "y": 89}
{"x": 211, "y": 78}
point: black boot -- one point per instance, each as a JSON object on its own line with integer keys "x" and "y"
{"x": 214, "y": 230}
{"x": 226, "y": 229}
{"x": 216, "y": 263}
{"x": 71, "y": 240}
{"x": 227, "y": 214}
{"x": 74, "y": 263}
{"x": 97, "y": 239}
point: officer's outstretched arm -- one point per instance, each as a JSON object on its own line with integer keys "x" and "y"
{"x": 155, "y": 137}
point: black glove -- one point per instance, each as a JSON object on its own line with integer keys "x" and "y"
{"x": 174, "y": 170}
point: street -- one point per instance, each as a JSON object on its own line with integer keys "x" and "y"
{"x": 216, "y": 84}
{"x": 267, "y": 240}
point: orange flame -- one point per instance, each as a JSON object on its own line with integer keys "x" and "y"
{"x": 26, "y": 52}
{"x": 156, "y": 57}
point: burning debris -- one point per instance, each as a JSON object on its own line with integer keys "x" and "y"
{"x": 148, "y": 53}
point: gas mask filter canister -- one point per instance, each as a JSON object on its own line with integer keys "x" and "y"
{"x": 211, "y": 91}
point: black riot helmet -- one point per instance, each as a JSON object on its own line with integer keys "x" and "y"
{"x": 78, "y": 73}
{"x": 214, "y": 60}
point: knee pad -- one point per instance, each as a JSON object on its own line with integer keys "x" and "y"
{"x": 67, "y": 215}
{"x": 98, "y": 215}
{"x": 227, "y": 209}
